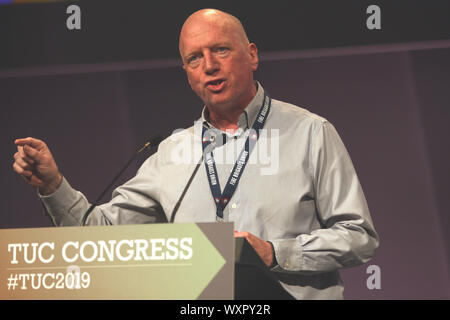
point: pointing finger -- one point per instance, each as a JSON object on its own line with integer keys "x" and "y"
{"x": 35, "y": 143}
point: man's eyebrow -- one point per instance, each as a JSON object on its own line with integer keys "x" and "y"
{"x": 190, "y": 55}
{"x": 222, "y": 44}
{"x": 193, "y": 52}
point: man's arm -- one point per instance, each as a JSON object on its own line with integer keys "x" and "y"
{"x": 35, "y": 163}
{"x": 347, "y": 237}
{"x": 134, "y": 202}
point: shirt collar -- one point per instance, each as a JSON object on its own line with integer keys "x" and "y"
{"x": 247, "y": 117}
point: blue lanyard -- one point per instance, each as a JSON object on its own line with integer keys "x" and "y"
{"x": 221, "y": 199}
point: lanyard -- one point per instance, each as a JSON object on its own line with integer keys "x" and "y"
{"x": 208, "y": 142}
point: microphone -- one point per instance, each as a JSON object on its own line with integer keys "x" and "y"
{"x": 177, "y": 205}
{"x": 152, "y": 142}
{"x": 217, "y": 141}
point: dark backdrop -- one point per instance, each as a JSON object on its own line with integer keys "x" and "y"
{"x": 389, "y": 102}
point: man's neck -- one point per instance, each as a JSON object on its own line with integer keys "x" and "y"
{"x": 225, "y": 121}
{"x": 226, "y": 118}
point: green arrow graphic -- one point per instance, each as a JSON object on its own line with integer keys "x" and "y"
{"x": 157, "y": 261}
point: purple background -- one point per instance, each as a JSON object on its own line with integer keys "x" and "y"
{"x": 390, "y": 104}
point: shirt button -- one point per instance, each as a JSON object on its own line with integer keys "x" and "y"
{"x": 234, "y": 206}
{"x": 287, "y": 264}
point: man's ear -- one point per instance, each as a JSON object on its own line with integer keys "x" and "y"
{"x": 253, "y": 52}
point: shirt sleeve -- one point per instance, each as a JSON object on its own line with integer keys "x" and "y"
{"x": 135, "y": 202}
{"x": 347, "y": 236}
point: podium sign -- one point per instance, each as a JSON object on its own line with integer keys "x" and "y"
{"x": 153, "y": 261}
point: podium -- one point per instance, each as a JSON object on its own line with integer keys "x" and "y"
{"x": 157, "y": 261}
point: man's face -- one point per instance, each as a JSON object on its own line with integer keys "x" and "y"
{"x": 219, "y": 64}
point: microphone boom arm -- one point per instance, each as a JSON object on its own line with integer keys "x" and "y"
{"x": 153, "y": 142}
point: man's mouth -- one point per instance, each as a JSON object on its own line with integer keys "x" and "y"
{"x": 215, "y": 85}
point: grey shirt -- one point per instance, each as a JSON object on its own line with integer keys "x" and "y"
{"x": 299, "y": 190}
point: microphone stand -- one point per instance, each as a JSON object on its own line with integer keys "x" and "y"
{"x": 153, "y": 142}
{"x": 177, "y": 205}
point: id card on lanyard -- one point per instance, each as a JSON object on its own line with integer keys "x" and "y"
{"x": 221, "y": 199}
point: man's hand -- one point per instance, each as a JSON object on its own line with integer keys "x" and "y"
{"x": 35, "y": 163}
{"x": 262, "y": 248}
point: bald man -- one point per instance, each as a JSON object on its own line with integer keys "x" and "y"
{"x": 306, "y": 217}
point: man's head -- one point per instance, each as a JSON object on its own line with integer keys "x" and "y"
{"x": 218, "y": 59}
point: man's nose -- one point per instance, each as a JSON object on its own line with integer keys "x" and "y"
{"x": 211, "y": 64}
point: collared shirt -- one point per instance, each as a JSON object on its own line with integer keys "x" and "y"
{"x": 299, "y": 190}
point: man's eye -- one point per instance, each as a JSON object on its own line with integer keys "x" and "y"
{"x": 222, "y": 50}
{"x": 193, "y": 61}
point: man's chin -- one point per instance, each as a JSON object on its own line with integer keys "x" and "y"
{"x": 217, "y": 101}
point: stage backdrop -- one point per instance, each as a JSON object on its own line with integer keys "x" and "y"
{"x": 390, "y": 104}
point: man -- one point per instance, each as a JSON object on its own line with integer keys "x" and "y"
{"x": 306, "y": 220}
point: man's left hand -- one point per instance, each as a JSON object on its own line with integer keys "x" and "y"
{"x": 262, "y": 248}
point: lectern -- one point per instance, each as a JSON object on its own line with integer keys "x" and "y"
{"x": 157, "y": 261}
